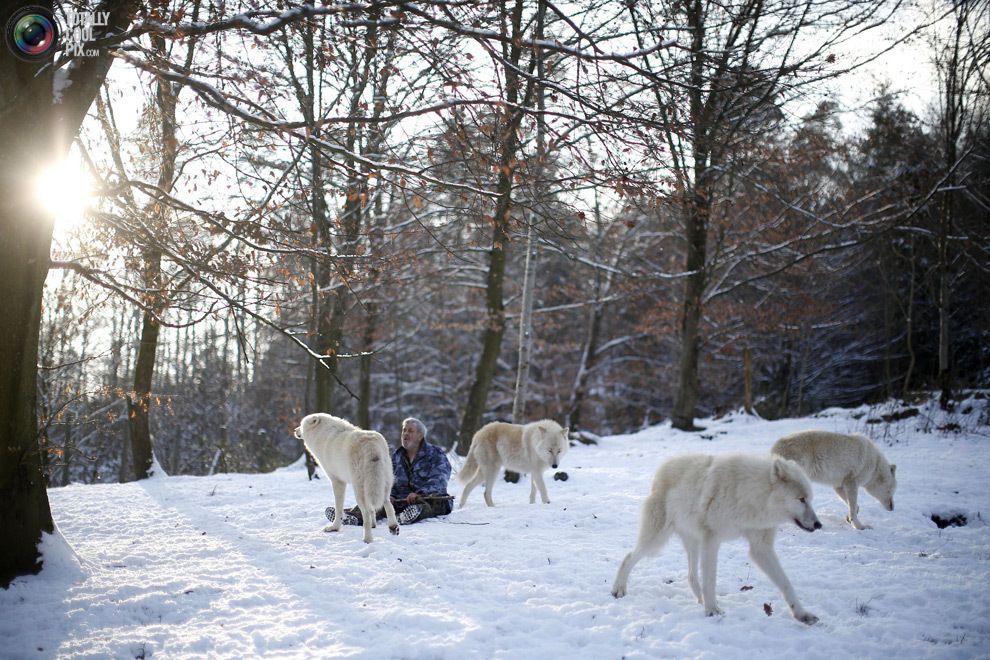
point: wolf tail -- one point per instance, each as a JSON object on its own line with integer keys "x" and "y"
{"x": 378, "y": 484}
{"x": 470, "y": 467}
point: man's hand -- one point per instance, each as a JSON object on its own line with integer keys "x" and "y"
{"x": 412, "y": 498}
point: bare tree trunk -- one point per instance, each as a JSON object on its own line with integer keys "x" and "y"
{"x": 525, "y": 332}
{"x": 944, "y": 308}
{"x": 325, "y": 301}
{"x": 748, "y": 369}
{"x": 529, "y": 273}
{"x": 802, "y": 370}
{"x": 956, "y": 69}
{"x": 697, "y": 211}
{"x": 364, "y": 387}
{"x": 25, "y": 239}
{"x": 142, "y": 452}
{"x": 29, "y": 118}
{"x": 589, "y": 352}
{"x": 584, "y": 367}
{"x": 492, "y": 341}
{"x": 696, "y": 232}
{"x": 909, "y": 326}
{"x": 139, "y": 406}
{"x": 495, "y": 321}
{"x": 376, "y": 140}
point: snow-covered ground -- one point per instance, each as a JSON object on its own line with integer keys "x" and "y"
{"x": 236, "y": 566}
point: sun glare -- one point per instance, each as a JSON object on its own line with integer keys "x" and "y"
{"x": 64, "y": 190}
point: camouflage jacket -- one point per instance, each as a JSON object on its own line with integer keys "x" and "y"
{"x": 426, "y": 474}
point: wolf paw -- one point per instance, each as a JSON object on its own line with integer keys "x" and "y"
{"x": 332, "y": 528}
{"x": 806, "y": 617}
{"x": 394, "y": 530}
{"x": 714, "y": 610}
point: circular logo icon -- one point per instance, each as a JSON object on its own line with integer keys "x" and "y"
{"x": 32, "y": 34}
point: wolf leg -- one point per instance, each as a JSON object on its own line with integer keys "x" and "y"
{"x": 490, "y": 473}
{"x": 841, "y": 492}
{"x": 536, "y": 477}
{"x": 763, "y": 554}
{"x": 393, "y": 524}
{"x": 653, "y": 535}
{"x": 338, "y": 500}
{"x": 619, "y": 586}
{"x": 692, "y": 548}
{"x": 709, "y": 568}
{"x": 367, "y": 512}
{"x": 851, "y": 490}
{"x": 469, "y": 486}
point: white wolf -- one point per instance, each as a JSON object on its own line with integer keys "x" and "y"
{"x": 709, "y": 499}
{"x": 350, "y": 455}
{"x": 528, "y": 448}
{"x": 844, "y": 462}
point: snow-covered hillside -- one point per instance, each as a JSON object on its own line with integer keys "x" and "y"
{"x": 236, "y": 566}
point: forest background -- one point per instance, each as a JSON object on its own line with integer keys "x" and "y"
{"x": 605, "y": 213}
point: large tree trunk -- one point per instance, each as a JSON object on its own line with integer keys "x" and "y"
{"x": 25, "y": 240}
{"x": 492, "y": 342}
{"x": 697, "y": 208}
{"x": 34, "y": 132}
{"x": 331, "y": 334}
{"x": 696, "y": 233}
{"x": 139, "y": 410}
{"x": 508, "y": 142}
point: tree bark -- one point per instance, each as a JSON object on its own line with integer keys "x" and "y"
{"x": 697, "y": 208}
{"x": 696, "y": 233}
{"x": 33, "y": 129}
{"x": 492, "y": 341}
{"x": 529, "y": 272}
{"x": 495, "y": 317}
{"x": 25, "y": 240}
{"x": 142, "y": 450}
{"x": 748, "y": 375}
{"x": 139, "y": 408}
{"x": 584, "y": 367}
{"x": 525, "y": 333}
{"x": 954, "y": 111}
{"x": 909, "y": 325}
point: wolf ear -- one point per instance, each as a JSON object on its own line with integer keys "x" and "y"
{"x": 565, "y": 430}
{"x": 543, "y": 431}
{"x": 778, "y": 471}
